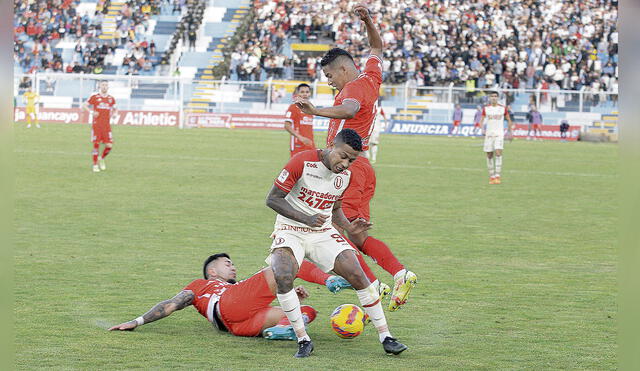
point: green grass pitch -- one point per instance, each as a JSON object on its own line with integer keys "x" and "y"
{"x": 520, "y": 275}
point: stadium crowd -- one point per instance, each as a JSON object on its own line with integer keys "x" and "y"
{"x": 40, "y": 25}
{"x": 471, "y": 43}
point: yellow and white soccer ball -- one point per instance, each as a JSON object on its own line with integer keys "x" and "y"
{"x": 348, "y": 321}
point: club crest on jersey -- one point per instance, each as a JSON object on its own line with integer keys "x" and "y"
{"x": 338, "y": 182}
{"x": 283, "y": 176}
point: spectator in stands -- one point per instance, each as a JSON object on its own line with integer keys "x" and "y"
{"x": 508, "y": 44}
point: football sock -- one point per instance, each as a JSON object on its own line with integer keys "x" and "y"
{"x": 399, "y": 275}
{"x": 498, "y": 165}
{"x": 291, "y": 306}
{"x": 490, "y": 167}
{"x": 308, "y": 315}
{"x": 106, "y": 151}
{"x": 382, "y": 255}
{"x": 96, "y": 149}
{"x": 311, "y": 273}
{"x": 374, "y": 152}
{"x": 370, "y": 301}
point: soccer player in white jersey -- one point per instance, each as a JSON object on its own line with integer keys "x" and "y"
{"x": 374, "y": 140}
{"x": 493, "y": 116}
{"x": 307, "y": 195}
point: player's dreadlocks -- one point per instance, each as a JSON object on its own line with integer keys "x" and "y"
{"x": 351, "y": 138}
{"x": 333, "y": 54}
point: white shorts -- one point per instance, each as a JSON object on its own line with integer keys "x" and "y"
{"x": 321, "y": 247}
{"x": 491, "y": 143}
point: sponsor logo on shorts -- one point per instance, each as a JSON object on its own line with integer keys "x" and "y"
{"x": 278, "y": 241}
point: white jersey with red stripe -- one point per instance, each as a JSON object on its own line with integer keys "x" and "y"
{"x": 312, "y": 188}
{"x": 494, "y": 117}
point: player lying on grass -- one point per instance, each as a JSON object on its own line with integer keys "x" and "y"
{"x": 240, "y": 308}
{"x": 307, "y": 195}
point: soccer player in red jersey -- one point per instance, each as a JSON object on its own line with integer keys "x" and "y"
{"x": 355, "y": 108}
{"x": 299, "y": 124}
{"x": 307, "y": 195}
{"x": 104, "y": 106}
{"x": 240, "y": 308}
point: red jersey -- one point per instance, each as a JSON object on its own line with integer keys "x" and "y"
{"x": 365, "y": 91}
{"x": 102, "y": 104}
{"x": 303, "y": 124}
{"x": 207, "y": 293}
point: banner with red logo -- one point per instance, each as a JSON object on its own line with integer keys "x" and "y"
{"x": 122, "y": 117}
{"x": 548, "y": 132}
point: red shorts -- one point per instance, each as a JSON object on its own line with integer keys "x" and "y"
{"x": 476, "y": 125}
{"x": 456, "y": 123}
{"x": 355, "y": 202}
{"x": 536, "y": 126}
{"x": 243, "y": 307}
{"x": 101, "y": 134}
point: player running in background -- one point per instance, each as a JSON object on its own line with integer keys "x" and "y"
{"x": 457, "y": 119}
{"x": 477, "y": 128}
{"x": 355, "y": 108}
{"x": 535, "y": 124}
{"x": 31, "y": 100}
{"x": 104, "y": 106}
{"x": 307, "y": 195}
{"x": 378, "y": 127}
{"x": 299, "y": 124}
{"x": 493, "y": 116}
{"x": 240, "y": 308}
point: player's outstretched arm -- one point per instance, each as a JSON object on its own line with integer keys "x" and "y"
{"x": 375, "y": 41}
{"x": 276, "y": 201}
{"x": 159, "y": 311}
{"x": 346, "y": 110}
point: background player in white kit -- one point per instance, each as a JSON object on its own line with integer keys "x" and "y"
{"x": 307, "y": 195}
{"x": 374, "y": 140}
{"x": 493, "y": 116}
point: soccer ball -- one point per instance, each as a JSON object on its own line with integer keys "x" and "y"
{"x": 348, "y": 320}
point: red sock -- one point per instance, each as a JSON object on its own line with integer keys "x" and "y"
{"x": 96, "y": 149}
{"x": 308, "y": 315}
{"x": 382, "y": 255}
{"x": 311, "y": 273}
{"x": 106, "y": 151}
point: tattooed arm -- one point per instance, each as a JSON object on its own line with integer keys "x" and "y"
{"x": 160, "y": 310}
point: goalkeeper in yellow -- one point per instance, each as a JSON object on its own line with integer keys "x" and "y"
{"x": 31, "y": 100}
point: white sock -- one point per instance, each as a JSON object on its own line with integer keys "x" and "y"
{"x": 498, "y": 165}
{"x": 399, "y": 275}
{"x": 374, "y": 152}
{"x": 291, "y": 306}
{"x": 490, "y": 167}
{"x": 370, "y": 301}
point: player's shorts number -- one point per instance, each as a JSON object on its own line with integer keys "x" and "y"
{"x": 338, "y": 238}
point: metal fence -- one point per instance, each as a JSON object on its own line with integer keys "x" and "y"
{"x": 183, "y": 94}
